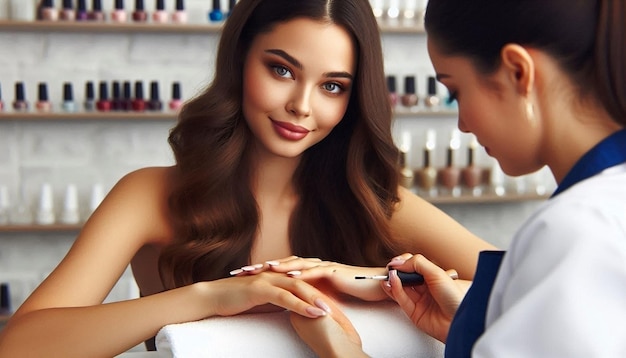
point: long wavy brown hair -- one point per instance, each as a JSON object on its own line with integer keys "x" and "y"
{"x": 347, "y": 184}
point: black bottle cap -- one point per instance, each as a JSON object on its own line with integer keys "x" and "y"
{"x": 104, "y": 91}
{"x": 116, "y": 90}
{"x": 391, "y": 84}
{"x": 68, "y": 94}
{"x": 127, "y": 90}
{"x": 217, "y": 5}
{"x": 160, "y": 5}
{"x": 432, "y": 85}
{"x": 0, "y": 92}
{"x": 19, "y": 92}
{"x": 154, "y": 91}
{"x": 67, "y": 4}
{"x": 139, "y": 5}
{"x": 48, "y": 3}
{"x": 176, "y": 90}
{"x": 409, "y": 84}
{"x": 97, "y": 5}
{"x": 43, "y": 92}
{"x": 180, "y": 5}
{"x": 89, "y": 91}
{"x": 138, "y": 90}
{"x": 231, "y": 4}
{"x": 5, "y": 297}
{"x": 119, "y": 4}
{"x": 82, "y": 5}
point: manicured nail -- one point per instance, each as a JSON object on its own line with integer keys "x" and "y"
{"x": 236, "y": 272}
{"x": 396, "y": 261}
{"x": 273, "y": 263}
{"x": 294, "y": 273}
{"x": 393, "y": 274}
{"x": 257, "y": 266}
{"x": 248, "y": 268}
{"x": 314, "y": 311}
{"x": 321, "y": 304}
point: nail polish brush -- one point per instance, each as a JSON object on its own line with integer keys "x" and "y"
{"x": 407, "y": 278}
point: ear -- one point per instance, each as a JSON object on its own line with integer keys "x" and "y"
{"x": 520, "y": 66}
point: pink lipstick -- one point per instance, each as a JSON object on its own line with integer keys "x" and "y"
{"x": 290, "y": 131}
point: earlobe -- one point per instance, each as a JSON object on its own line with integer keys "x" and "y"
{"x": 521, "y": 66}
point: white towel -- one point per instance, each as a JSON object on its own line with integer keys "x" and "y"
{"x": 386, "y": 332}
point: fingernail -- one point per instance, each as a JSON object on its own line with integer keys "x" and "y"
{"x": 321, "y": 304}
{"x": 272, "y": 263}
{"x": 393, "y": 274}
{"x": 248, "y": 268}
{"x": 396, "y": 261}
{"x": 294, "y": 273}
{"x": 257, "y": 266}
{"x": 314, "y": 311}
{"x": 236, "y": 272}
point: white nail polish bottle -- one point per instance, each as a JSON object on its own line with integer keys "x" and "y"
{"x": 45, "y": 211}
{"x": 70, "y": 214}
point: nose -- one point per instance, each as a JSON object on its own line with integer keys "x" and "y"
{"x": 299, "y": 104}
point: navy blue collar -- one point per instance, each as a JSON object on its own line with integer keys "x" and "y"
{"x": 609, "y": 152}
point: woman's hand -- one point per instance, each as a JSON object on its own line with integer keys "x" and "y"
{"x": 320, "y": 273}
{"x": 240, "y": 294}
{"x": 330, "y": 336}
{"x": 431, "y": 306}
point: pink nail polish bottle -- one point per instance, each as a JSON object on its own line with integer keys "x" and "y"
{"x": 1, "y": 103}
{"x": 391, "y": 87}
{"x": 176, "y": 101}
{"x": 48, "y": 11}
{"x": 140, "y": 14}
{"x": 20, "y": 104}
{"x": 119, "y": 14}
{"x": 43, "y": 103}
{"x": 67, "y": 12}
{"x": 159, "y": 15}
{"x": 96, "y": 13}
{"x": 180, "y": 15}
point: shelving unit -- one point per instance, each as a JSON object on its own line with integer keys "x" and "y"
{"x": 76, "y": 116}
{"x": 145, "y": 27}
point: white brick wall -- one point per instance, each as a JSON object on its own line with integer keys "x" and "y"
{"x": 87, "y": 152}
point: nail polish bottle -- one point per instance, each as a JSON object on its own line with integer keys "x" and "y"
{"x": 45, "y": 210}
{"x": 20, "y": 104}
{"x": 140, "y": 14}
{"x": 81, "y": 11}
{"x": 409, "y": 13}
{"x": 22, "y": 213}
{"x": 96, "y": 13}
{"x": 377, "y": 9}
{"x": 155, "y": 103}
{"x": 427, "y": 175}
{"x": 409, "y": 99}
{"x": 119, "y": 14}
{"x": 450, "y": 175}
{"x": 5, "y": 300}
{"x": 393, "y": 12}
{"x": 432, "y": 100}
{"x": 116, "y": 96}
{"x": 159, "y": 15}
{"x": 231, "y": 6}
{"x": 216, "y": 14}
{"x": 176, "y": 101}
{"x": 90, "y": 101}
{"x": 180, "y": 15}
{"x": 48, "y": 11}
{"x": 406, "y": 173}
{"x": 70, "y": 214}
{"x": 67, "y": 11}
{"x": 68, "y": 104}
{"x": 43, "y": 103}
{"x": 472, "y": 174}
{"x": 103, "y": 104}
{"x": 127, "y": 97}
{"x": 391, "y": 88}
{"x": 139, "y": 104}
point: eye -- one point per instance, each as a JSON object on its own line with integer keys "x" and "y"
{"x": 332, "y": 87}
{"x": 452, "y": 96}
{"x": 282, "y": 71}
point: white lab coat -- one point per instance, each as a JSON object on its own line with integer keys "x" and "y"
{"x": 561, "y": 288}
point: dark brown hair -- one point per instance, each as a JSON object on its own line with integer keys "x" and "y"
{"x": 347, "y": 184}
{"x": 587, "y": 37}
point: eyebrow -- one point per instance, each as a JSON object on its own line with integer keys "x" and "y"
{"x": 287, "y": 57}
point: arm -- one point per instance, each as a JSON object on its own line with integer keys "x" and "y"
{"x": 65, "y": 314}
{"x": 422, "y": 228}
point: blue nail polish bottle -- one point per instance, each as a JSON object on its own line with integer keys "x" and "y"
{"x": 216, "y": 14}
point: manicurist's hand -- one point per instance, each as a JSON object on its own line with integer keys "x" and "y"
{"x": 329, "y": 336}
{"x": 430, "y": 306}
